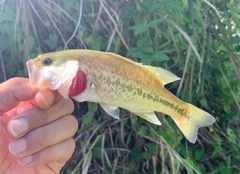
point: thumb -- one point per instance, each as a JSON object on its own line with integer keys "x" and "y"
{"x": 46, "y": 98}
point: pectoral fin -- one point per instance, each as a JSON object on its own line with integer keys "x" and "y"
{"x": 151, "y": 117}
{"x": 111, "y": 110}
{"x": 165, "y": 76}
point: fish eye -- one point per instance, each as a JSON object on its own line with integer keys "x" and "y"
{"x": 47, "y": 61}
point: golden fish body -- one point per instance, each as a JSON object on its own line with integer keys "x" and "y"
{"x": 114, "y": 81}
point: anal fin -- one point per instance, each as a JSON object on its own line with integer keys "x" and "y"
{"x": 151, "y": 117}
{"x": 111, "y": 110}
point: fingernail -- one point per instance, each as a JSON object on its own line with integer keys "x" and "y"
{"x": 18, "y": 126}
{"x": 17, "y": 146}
{"x": 44, "y": 101}
{"x": 24, "y": 161}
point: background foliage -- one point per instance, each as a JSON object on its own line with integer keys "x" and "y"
{"x": 196, "y": 39}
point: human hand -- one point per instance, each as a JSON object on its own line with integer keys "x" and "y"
{"x": 35, "y": 129}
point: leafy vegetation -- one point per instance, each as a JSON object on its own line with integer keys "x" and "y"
{"x": 197, "y": 40}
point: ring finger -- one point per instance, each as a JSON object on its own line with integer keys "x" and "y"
{"x": 59, "y": 153}
{"x": 45, "y": 136}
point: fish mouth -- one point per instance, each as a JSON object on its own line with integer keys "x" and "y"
{"x": 43, "y": 79}
{"x": 33, "y": 73}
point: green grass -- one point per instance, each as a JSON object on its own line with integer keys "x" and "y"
{"x": 180, "y": 36}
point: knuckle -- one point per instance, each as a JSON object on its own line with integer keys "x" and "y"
{"x": 70, "y": 105}
{"x": 72, "y": 144}
{"x": 71, "y": 120}
{"x": 70, "y": 148}
{"x": 67, "y": 149}
{"x": 74, "y": 123}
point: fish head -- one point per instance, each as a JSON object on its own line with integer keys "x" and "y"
{"x": 54, "y": 71}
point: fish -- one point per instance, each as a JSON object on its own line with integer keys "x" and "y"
{"x": 116, "y": 82}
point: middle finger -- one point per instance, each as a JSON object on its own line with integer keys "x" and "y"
{"x": 45, "y": 136}
{"x": 37, "y": 117}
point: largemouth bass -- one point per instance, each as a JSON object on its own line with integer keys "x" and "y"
{"x": 114, "y": 81}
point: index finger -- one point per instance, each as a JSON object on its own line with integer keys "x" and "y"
{"x": 15, "y": 90}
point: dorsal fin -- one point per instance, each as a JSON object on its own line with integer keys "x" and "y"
{"x": 164, "y": 75}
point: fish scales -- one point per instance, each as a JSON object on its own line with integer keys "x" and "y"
{"x": 114, "y": 81}
{"x": 137, "y": 82}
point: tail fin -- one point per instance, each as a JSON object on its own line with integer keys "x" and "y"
{"x": 197, "y": 118}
